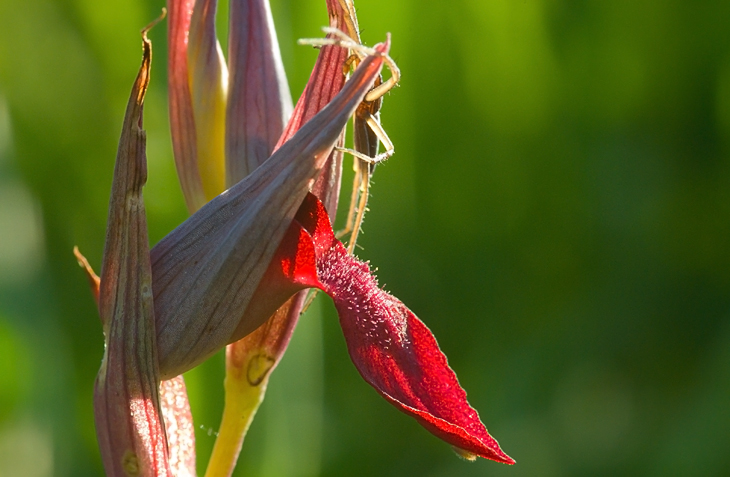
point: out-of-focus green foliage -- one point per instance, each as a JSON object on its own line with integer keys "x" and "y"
{"x": 558, "y": 212}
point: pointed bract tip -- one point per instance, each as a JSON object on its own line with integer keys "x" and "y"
{"x": 152, "y": 24}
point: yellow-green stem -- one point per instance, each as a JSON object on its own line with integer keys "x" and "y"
{"x": 242, "y": 400}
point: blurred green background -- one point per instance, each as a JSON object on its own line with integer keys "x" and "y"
{"x": 557, "y": 212}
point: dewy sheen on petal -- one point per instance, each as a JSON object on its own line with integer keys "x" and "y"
{"x": 209, "y": 88}
{"x": 259, "y": 101}
{"x": 206, "y": 271}
{"x": 127, "y": 412}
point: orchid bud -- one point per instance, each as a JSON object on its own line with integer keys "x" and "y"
{"x": 182, "y": 119}
{"x": 208, "y": 78}
{"x": 259, "y": 102}
{"x": 127, "y": 412}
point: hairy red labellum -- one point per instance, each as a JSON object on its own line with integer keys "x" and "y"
{"x": 392, "y": 349}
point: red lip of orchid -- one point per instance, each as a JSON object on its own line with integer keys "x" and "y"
{"x": 391, "y": 348}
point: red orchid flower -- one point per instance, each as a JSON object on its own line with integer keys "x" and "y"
{"x": 236, "y": 271}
